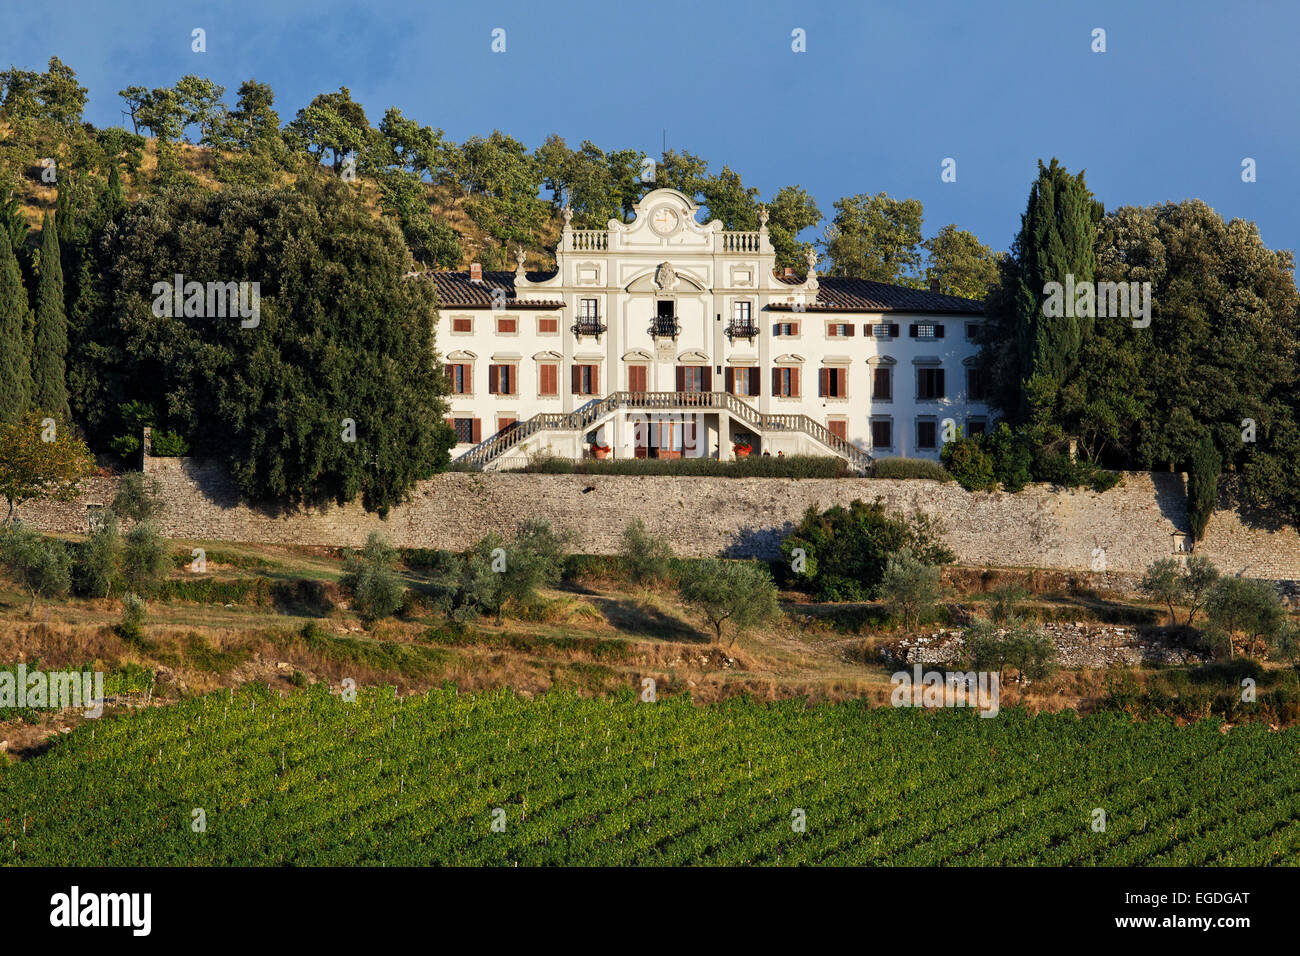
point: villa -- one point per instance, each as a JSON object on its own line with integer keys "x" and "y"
{"x": 665, "y": 337}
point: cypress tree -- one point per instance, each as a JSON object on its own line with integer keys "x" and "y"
{"x": 1202, "y": 485}
{"x": 1056, "y": 240}
{"x": 15, "y": 356}
{"x": 114, "y": 197}
{"x": 50, "y": 346}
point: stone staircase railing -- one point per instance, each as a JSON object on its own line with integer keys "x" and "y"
{"x": 581, "y": 419}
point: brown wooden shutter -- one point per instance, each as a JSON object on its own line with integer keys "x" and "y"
{"x": 842, "y": 382}
{"x": 729, "y": 380}
{"x": 493, "y": 379}
{"x": 477, "y": 435}
{"x": 755, "y": 382}
{"x": 708, "y": 378}
{"x": 823, "y": 382}
{"x": 867, "y": 330}
{"x": 911, "y": 331}
{"x": 850, "y": 329}
{"x": 893, "y": 330}
{"x": 938, "y": 331}
{"x": 636, "y": 378}
{"x": 577, "y": 379}
{"x": 681, "y": 379}
{"x": 776, "y": 381}
{"x": 938, "y": 383}
{"x": 794, "y": 382}
{"x": 595, "y": 380}
{"x": 451, "y": 423}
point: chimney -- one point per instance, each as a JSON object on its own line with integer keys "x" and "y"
{"x": 476, "y": 272}
{"x": 934, "y": 285}
{"x": 789, "y": 272}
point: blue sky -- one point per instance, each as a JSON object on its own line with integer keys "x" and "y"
{"x": 885, "y": 91}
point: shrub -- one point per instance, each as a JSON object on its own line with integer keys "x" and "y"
{"x": 909, "y": 586}
{"x": 98, "y": 565}
{"x": 1164, "y": 582}
{"x": 376, "y": 590}
{"x": 137, "y": 498}
{"x": 967, "y": 461}
{"x": 845, "y": 550}
{"x": 41, "y": 565}
{"x": 647, "y": 558}
{"x": 1023, "y": 647}
{"x": 1005, "y": 599}
{"x": 131, "y": 627}
{"x": 145, "y": 560}
{"x": 491, "y": 574}
{"x": 169, "y": 445}
{"x": 1011, "y": 455}
{"x": 793, "y": 466}
{"x": 737, "y": 592}
{"x": 909, "y": 468}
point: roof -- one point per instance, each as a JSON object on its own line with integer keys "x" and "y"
{"x": 456, "y": 289}
{"x": 840, "y": 294}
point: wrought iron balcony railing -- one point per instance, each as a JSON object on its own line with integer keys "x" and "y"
{"x": 588, "y": 326}
{"x": 665, "y": 328}
{"x": 741, "y": 330}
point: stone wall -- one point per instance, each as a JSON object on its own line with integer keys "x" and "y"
{"x": 1038, "y": 527}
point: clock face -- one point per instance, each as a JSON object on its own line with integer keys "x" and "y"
{"x": 664, "y": 220}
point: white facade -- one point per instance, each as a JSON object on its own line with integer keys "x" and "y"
{"x": 635, "y": 337}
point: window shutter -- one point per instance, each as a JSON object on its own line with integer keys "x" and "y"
{"x": 938, "y": 331}
{"x": 776, "y": 381}
{"x": 681, "y": 379}
{"x": 893, "y": 330}
{"x": 493, "y": 371}
{"x": 477, "y": 436}
{"x": 823, "y": 383}
{"x": 911, "y": 330}
{"x": 451, "y": 423}
{"x": 708, "y": 378}
{"x": 755, "y": 382}
{"x": 867, "y": 330}
{"x": 794, "y": 328}
{"x": 595, "y": 380}
{"x": 938, "y": 383}
{"x": 842, "y": 382}
{"x": 794, "y": 382}
{"x": 577, "y": 379}
{"x": 729, "y": 380}
{"x": 850, "y": 329}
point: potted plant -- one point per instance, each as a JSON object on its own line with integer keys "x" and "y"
{"x": 742, "y": 449}
{"x": 601, "y": 451}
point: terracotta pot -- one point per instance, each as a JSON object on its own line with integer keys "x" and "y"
{"x": 600, "y": 452}
{"x": 742, "y": 452}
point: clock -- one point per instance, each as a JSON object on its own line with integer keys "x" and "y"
{"x": 663, "y": 220}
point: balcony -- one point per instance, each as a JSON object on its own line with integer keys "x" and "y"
{"x": 741, "y": 330}
{"x": 589, "y": 325}
{"x": 665, "y": 327}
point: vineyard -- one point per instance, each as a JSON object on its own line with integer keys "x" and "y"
{"x": 498, "y": 779}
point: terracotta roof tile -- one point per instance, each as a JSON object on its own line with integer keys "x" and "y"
{"x": 837, "y": 294}
{"x": 456, "y": 289}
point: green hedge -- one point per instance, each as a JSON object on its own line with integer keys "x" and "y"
{"x": 909, "y": 468}
{"x": 756, "y": 466}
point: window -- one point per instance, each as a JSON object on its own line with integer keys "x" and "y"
{"x": 638, "y": 378}
{"x": 587, "y": 310}
{"x": 972, "y": 331}
{"x": 507, "y": 326}
{"x": 545, "y": 326}
{"x": 884, "y": 330}
{"x": 882, "y": 383}
{"x": 834, "y": 383}
{"x": 976, "y": 426}
{"x": 504, "y": 424}
{"x": 462, "y": 325}
{"x": 586, "y": 380}
{"x": 461, "y": 377}
{"x": 839, "y": 427}
{"x": 925, "y": 434}
{"x": 786, "y": 328}
{"x": 742, "y": 381}
{"x": 785, "y": 382}
{"x": 741, "y": 313}
{"x": 840, "y": 330}
{"x": 502, "y": 379}
{"x": 882, "y": 433}
{"x": 694, "y": 378}
{"x": 929, "y": 383}
{"x": 925, "y": 331}
{"x": 665, "y": 317}
{"x": 468, "y": 431}
{"x": 975, "y": 387}
{"x": 548, "y": 379}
